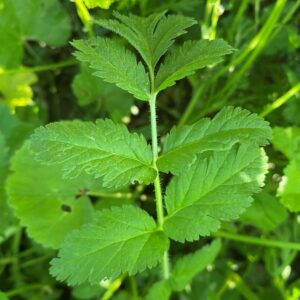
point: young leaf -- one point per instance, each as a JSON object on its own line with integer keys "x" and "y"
{"x": 215, "y": 188}
{"x": 229, "y": 126}
{"x": 288, "y": 190}
{"x": 116, "y": 241}
{"x": 48, "y": 206}
{"x": 186, "y": 59}
{"x": 186, "y": 268}
{"x": 151, "y": 36}
{"x": 103, "y": 149}
{"x": 115, "y": 64}
{"x": 160, "y": 290}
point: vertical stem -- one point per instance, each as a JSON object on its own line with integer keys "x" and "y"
{"x": 157, "y": 186}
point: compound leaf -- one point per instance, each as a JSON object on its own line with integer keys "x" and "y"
{"x": 115, "y": 64}
{"x": 151, "y": 36}
{"x": 47, "y": 205}
{"x": 215, "y": 188}
{"x": 123, "y": 239}
{"x": 186, "y": 59}
{"x": 103, "y": 149}
{"x": 229, "y": 126}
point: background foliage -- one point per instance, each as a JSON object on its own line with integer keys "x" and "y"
{"x": 41, "y": 82}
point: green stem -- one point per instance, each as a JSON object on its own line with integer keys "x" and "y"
{"x": 113, "y": 287}
{"x": 281, "y": 100}
{"x": 24, "y": 289}
{"x": 157, "y": 186}
{"x": 42, "y": 68}
{"x": 257, "y": 240}
{"x": 109, "y": 195}
{"x": 134, "y": 288}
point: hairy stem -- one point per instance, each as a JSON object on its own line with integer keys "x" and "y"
{"x": 157, "y": 186}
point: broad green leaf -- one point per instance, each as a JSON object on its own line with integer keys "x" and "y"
{"x": 186, "y": 59}
{"x": 289, "y": 188}
{"x": 47, "y": 205}
{"x": 117, "y": 241}
{"x": 186, "y": 268}
{"x": 287, "y": 141}
{"x": 14, "y": 130}
{"x": 105, "y": 4}
{"x": 90, "y": 89}
{"x": 265, "y": 212}
{"x": 11, "y": 50}
{"x": 15, "y": 89}
{"x": 151, "y": 36}
{"x": 217, "y": 188}
{"x": 115, "y": 64}
{"x": 43, "y": 20}
{"x": 102, "y": 149}
{"x": 228, "y": 127}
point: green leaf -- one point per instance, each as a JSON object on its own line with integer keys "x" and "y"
{"x": 117, "y": 241}
{"x": 102, "y": 149}
{"x": 186, "y": 268}
{"x": 43, "y": 20}
{"x": 265, "y": 212}
{"x": 228, "y": 127}
{"x": 287, "y": 141}
{"x": 14, "y": 130}
{"x": 48, "y": 206}
{"x": 160, "y": 290}
{"x": 115, "y": 64}
{"x": 289, "y": 188}
{"x": 15, "y": 89}
{"x": 105, "y": 4}
{"x": 93, "y": 90}
{"x": 215, "y": 189}
{"x": 151, "y": 36}
{"x": 183, "y": 272}
{"x": 11, "y": 50}
{"x": 186, "y": 59}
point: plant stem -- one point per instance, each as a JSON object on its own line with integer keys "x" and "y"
{"x": 42, "y": 68}
{"x": 257, "y": 240}
{"x": 113, "y": 287}
{"x": 157, "y": 186}
{"x": 281, "y": 100}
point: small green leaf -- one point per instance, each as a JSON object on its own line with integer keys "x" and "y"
{"x": 287, "y": 141}
{"x": 160, "y": 290}
{"x": 103, "y": 149}
{"x": 217, "y": 188}
{"x": 115, "y": 64}
{"x": 186, "y": 59}
{"x": 186, "y": 268}
{"x": 92, "y": 90}
{"x": 228, "y": 127}
{"x": 117, "y": 241}
{"x": 151, "y": 36}
{"x": 289, "y": 188}
{"x": 48, "y": 206}
{"x": 265, "y": 212}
